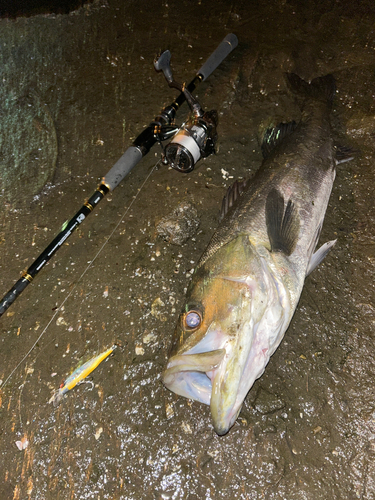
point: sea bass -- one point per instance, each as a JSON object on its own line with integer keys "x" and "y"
{"x": 248, "y": 282}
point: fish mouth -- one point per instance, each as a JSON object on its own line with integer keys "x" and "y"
{"x": 189, "y": 375}
{"x": 216, "y": 378}
{"x": 230, "y": 381}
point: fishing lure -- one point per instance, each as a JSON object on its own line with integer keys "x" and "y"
{"x": 80, "y": 373}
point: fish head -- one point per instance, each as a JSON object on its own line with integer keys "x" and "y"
{"x": 211, "y": 355}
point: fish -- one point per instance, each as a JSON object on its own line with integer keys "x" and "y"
{"x": 247, "y": 284}
{"x": 79, "y": 374}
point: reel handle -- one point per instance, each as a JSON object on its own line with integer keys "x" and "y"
{"x": 229, "y": 43}
{"x": 132, "y": 156}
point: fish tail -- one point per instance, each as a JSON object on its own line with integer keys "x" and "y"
{"x": 322, "y": 88}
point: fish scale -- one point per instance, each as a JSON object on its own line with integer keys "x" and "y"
{"x": 264, "y": 243}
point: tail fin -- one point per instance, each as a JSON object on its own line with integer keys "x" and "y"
{"x": 322, "y": 88}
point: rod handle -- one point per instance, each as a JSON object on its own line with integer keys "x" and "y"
{"x": 122, "y": 167}
{"x": 13, "y": 293}
{"x": 229, "y": 43}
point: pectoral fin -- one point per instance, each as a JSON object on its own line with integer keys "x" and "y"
{"x": 319, "y": 255}
{"x": 282, "y": 226}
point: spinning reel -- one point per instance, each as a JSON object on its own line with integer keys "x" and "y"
{"x": 196, "y": 138}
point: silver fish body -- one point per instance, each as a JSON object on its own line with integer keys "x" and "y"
{"x": 248, "y": 282}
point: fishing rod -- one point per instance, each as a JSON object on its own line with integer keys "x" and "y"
{"x": 194, "y": 140}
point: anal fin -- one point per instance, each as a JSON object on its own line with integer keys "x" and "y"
{"x": 319, "y": 255}
{"x": 344, "y": 154}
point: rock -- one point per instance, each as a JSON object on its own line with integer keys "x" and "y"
{"x": 180, "y": 225}
{"x": 266, "y": 403}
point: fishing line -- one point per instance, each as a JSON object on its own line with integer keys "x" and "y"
{"x": 195, "y": 140}
{"x": 80, "y": 278}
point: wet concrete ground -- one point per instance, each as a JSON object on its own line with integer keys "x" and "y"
{"x": 76, "y": 90}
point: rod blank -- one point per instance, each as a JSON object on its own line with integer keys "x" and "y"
{"x": 132, "y": 156}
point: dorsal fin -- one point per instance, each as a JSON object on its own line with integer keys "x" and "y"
{"x": 274, "y": 136}
{"x": 233, "y": 193}
{"x": 282, "y": 226}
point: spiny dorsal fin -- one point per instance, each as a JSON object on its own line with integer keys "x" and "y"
{"x": 231, "y": 196}
{"x": 282, "y": 226}
{"x": 274, "y": 136}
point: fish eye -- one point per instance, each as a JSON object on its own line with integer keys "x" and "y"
{"x": 193, "y": 319}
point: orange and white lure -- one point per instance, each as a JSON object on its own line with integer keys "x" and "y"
{"x": 79, "y": 374}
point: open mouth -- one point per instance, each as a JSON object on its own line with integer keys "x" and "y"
{"x": 220, "y": 377}
{"x": 214, "y": 377}
{"x": 189, "y": 375}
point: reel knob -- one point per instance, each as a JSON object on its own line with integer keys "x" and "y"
{"x": 162, "y": 63}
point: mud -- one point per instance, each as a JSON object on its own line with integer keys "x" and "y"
{"x": 76, "y": 90}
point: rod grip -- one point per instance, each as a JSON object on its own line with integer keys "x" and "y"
{"x": 122, "y": 167}
{"x": 13, "y": 293}
{"x": 229, "y": 43}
